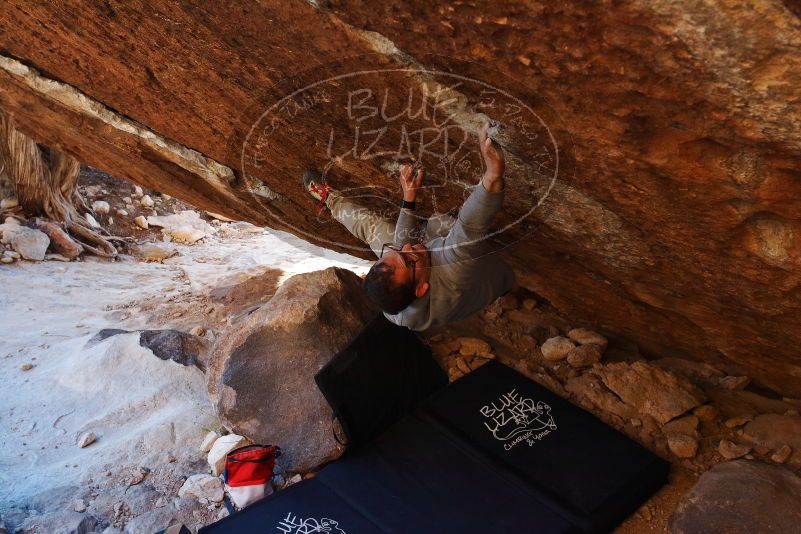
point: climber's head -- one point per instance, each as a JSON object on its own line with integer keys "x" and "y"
{"x": 399, "y": 277}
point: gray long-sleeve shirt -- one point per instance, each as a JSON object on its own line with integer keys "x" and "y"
{"x": 465, "y": 276}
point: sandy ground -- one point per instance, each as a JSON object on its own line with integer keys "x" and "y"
{"x": 140, "y": 407}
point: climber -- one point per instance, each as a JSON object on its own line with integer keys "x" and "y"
{"x": 444, "y": 275}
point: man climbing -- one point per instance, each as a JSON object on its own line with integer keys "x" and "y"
{"x": 448, "y": 276}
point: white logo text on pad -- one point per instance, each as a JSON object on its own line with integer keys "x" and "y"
{"x": 293, "y": 524}
{"x": 515, "y": 419}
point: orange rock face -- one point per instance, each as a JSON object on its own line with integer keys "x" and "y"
{"x": 653, "y": 149}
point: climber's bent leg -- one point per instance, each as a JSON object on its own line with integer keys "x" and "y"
{"x": 361, "y": 222}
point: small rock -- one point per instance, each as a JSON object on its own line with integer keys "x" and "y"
{"x": 78, "y": 505}
{"x": 136, "y": 476}
{"x": 208, "y": 441}
{"x": 470, "y": 346}
{"x": 154, "y": 251}
{"x": 127, "y": 200}
{"x": 556, "y": 348}
{"x": 584, "y": 355}
{"x": 30, "y": 243}
{"x": 682, "y": 446}
{"x": 707, "y": 412}
{"x": 730, "y": 450}
{"x": 146, "y": 201}
{"x": 221, "y": 447}
{"x": 86, "y": 439}
{"x": 529, "y": 304}
{"x": 56, "y": 257}
{"x": 462, "y": 365}
{"x": 583, "y": 336}
{"x": 165, "y": 196}
{"x": 294, "y": 479}
{"x": 141, "y": 222}
{"x": 782, "y": 455}
{"x": 202, "y": 486}
{"x": 187, "y": 234}
{"x": 198, "y": 331}
{"x": 91, "y": 220}
{"x": 137, "y": 192}
{"x": 454, "y": 374}
{"x": 687, "y": 425}
{"x": 6, "y": 259}
{"x": 740, "y": 420}
{"x": 122, "y": 213}
{"x": 8, "y": 203}
{"x": 734, "y": 382}
{"x": 13, "y": 254}
{"x": 101, "y": 207}
{"x": 26, "y": 367}
{"x": 12, "y": 221}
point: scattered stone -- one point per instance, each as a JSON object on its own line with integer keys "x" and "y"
{"x": 202, "y": 486}
{"x": 734, "y": 382}
{"x": 30, "y": 243}
{"x": 222, "y": 446}
{"x": 58, "y": 521}
{"x": 584, "y": 355}
{"x": 741, "y": 496}
{"x": 775, "y": 431}
{"x": 556, "y": 348}
{"x": 650, "y": 390}
{"x": 146, "y": 201}
{"x": 12, "y": 221}
{"x": 529, "y": 304}
{"x": 7, "y": 259}
{"x": 13, "y": 254}
{"x": 78, "y": 505}
{"x": 135, "y": 476}
{"x": 738, "y": 421}
{"x": 154, "y": 251}
{"x": 470, "y": 346}
{"x": 294, "y": 479}
{"x": 687, "y": 425}
{"x": 101, "y": 207}
{"x": 454, "y": 374}
{"x": 86, "y": 439}
{"x": 91, "y": 220}
{"x": 589, "y": 388}
{"x": 682, "y": 446}
{"x": 272, "y": 348}
{"x": 138, "y": 193}
{"x": 8, "y": 203}
{"x": 707, "y": 412}
{"x": 183, "y": 227}
{"x": 141, "y": 222}
{"x": 127, "y": 200}
{"x": 782, "y": 455}
{"x": 26, "y": 367}
{"x": 462, "y": 365}
{"x": 583, "y": 336}
{"x": 60, "y": 241}
{"x": 208, "y": 441}
{"x": 730, "y": 450}
{"x": 122, "y": 213}
{"x": 198, "y": 331}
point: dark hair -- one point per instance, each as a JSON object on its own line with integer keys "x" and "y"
{"x": 384, "y": 292}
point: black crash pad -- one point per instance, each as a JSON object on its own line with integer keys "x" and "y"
{"x": 304, "y": 508}
{"x": 586, "y": 470}
{"x": 381, "y": 376}
{"x": 417, "y": 479}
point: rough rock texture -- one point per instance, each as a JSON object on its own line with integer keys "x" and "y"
{"x": 655, "y": 392}
{"x": 673, "y": 217}
{"x": 741, "y": 496}
{"x": 261, "y": 375}
{"x": 776, "y": 431}
{"x": 30, "y": 243}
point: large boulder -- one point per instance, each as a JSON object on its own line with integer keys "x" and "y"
{"x": 741, "y": 496}
{"x": 261, "y": 374}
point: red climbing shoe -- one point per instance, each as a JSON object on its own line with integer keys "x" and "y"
{"x": 316, "y": 185}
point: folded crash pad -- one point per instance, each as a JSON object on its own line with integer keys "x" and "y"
{"x": 417, "y": 479}
{"x": 308, "y": 507}
{"x": 492, "y": 452}
{"x": 382, "y": 375}
{"x": 576, "y": 464}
